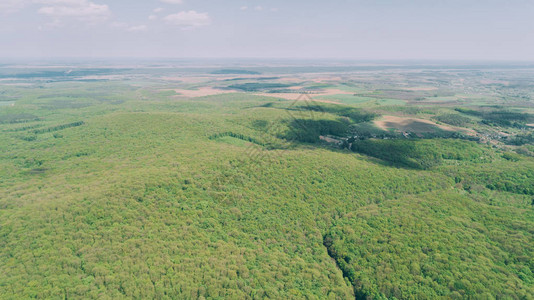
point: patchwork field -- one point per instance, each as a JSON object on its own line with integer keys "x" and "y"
{"x": 410, "y": 124}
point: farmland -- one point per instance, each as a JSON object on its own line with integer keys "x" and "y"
{"x": 267, "y": 181}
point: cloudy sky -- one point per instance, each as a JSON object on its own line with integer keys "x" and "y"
{"x": 353, "y": 29}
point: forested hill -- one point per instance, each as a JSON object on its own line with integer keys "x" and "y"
{"x": 128, "y": 192}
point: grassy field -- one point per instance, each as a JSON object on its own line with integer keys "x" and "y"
{"x": 123, "y": 189}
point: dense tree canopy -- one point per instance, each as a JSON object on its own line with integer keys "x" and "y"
{"x": 141, "y": 195}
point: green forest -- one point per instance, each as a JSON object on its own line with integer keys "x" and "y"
{"x": 126, "y": 191}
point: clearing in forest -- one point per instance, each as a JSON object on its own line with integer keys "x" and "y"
{"x": 410, "y": 124}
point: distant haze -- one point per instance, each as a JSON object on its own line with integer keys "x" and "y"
{"x": 340, "y": 29}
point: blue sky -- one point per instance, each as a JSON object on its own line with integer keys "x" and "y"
{"x": 358, "y": 29}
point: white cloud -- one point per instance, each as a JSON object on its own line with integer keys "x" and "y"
{"x": 152, "y": 17}
{"x": 127, "y": 27}
{"x": 172, "y": 1}
{"x": 137, "y": 28}
{"x": 82, "y": 10}
{"x": 158, "y": 9}
{"x": 54, "y": 24}
{"x": 258, "y": 8}
{"x": 57, "y": 2}
{"x": 188, "y": 19}
{"x": 11, "y": 6}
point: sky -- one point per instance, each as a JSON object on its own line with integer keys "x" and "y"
{"x": 307, "y": 29}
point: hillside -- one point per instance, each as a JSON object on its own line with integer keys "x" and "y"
{"x": 120, "y": 189}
